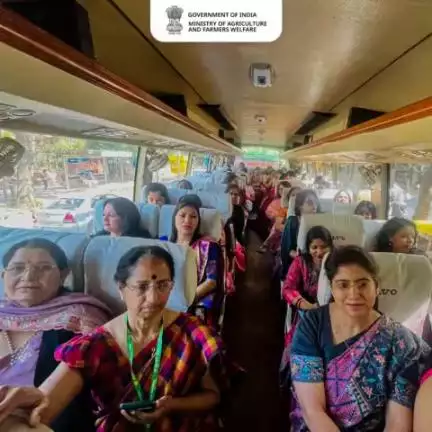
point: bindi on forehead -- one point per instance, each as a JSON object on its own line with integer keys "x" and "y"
{"x": 154, "y": 277}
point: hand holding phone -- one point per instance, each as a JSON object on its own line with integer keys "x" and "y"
{"x": 140, "y": 406}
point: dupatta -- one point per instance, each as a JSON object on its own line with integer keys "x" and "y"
{"x": 74, "y": 312}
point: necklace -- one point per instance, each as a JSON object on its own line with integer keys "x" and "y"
{"x": 8, "y": 341}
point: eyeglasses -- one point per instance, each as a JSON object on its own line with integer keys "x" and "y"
{"x": 20, "y": 269}
{"x": 161, "y": 286}
{"x": 359, "y": 284}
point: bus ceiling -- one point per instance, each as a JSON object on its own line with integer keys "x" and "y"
{"x": 49, "y": 88}
{"x": 402, "y": 136}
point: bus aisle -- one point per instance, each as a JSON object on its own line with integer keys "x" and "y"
{"x": 254, "y": 322}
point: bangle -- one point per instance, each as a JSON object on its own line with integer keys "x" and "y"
{"x": 298, "y": 302}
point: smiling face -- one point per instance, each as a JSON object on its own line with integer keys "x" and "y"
{"x": 317, "y": 249}
{"x": 32, "y": 277}
{"x": 403, "y": 240}
{"x": 186, "y": 221}
{"x": 148, "y": 287}
{"x": 354, "y": 290}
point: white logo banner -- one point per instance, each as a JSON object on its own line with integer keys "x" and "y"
{"x": 216, "y": 20}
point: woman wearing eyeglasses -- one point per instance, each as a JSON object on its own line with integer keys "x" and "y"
{"x": 36, "y": 316}
{"x": 167, "y": 361}
{"x": 352, "y": 368}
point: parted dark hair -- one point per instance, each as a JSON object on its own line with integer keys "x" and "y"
{"x": 55, "y": 251}
{"x": 130, "y": 259}
{"x": 366, "y": 207}
{"x": 179, "y": 206}
{"x": 158, "y": 188}
{"x": 130, "y": 217}
{"x": 318, "y": 233}
{"x": 389, "y": 229}
{"x": 301, "y": 198}
{"x": 348, "y": 255}
{"x": 191, "y": 198}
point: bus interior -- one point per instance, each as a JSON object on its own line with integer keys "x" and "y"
{"x": 105, "y": 112}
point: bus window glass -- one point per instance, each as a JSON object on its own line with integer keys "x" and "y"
{"x": 410, "y": 197}
{"x": 168, "y": 166}
{"x": 59, "y": 180}
{"x": 340, "y": 186}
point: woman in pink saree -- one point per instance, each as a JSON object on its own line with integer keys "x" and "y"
{"x": 210, "y": 291}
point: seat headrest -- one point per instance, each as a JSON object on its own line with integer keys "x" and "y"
{"x": 405, "y": 288}
{"x": 150, "y": 218}
{"x": 220, "y": 201}
{"x": 100, "y": 263}
{"x": 345, "y": 229}
{"x": 405, "y": 283}
{"x": 72, "y": 244}
{"x": 371, "y": 229}
{"x": 211, "y": 222}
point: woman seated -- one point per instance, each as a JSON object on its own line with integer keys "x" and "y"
{"x": 422, "y": 407}
{"x": 366, "y": 209}
{"x": 301, "y": 284}
{"x": 166, "y": 360}
{"x": 210, "y": 291}
{"x": 306, "y": 202}
{"x": 397, "y": 235}
{"x": 157, "y": 194}
{"x": 277, "y": 215}
{"x": 121, "y": 218}
{"x": 37, "y": 315}
{"x": 353, "y": 368}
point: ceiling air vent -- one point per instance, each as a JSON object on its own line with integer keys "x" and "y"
{"x": 313, "y": 120}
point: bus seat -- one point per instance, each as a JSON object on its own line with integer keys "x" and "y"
{"x": 150, "y": 218}
{"x": 371, "y": 228}
{"x": 405, "y": 283}
{"x": 345, "y": 229}
{"x": 101, "y": 258}
{"x": 220, "y": 201}
{"x": 211, "y": 222}
{"x": 98, "y": 216}
{"x": 72, "y": 244}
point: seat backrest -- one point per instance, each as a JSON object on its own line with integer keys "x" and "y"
{"x": 150, "y": 218}
{"x": 345, "y": 229}
{"x": 98, "y": 224}
{"x": 405, "y": 283}
{"x": 211, "y": 222}
{"x": 220, "y": 201}
{"x": 371, "y": 229}
{"x": 103, "y": 254}
{"x": 73, "y": 245}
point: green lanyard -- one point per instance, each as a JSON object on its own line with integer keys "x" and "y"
{"x": 156, "y": 366}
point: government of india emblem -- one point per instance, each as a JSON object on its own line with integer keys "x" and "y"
{"x": 174, "y": 14}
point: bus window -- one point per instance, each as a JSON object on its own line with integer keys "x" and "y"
{"x": 410, "y": 197}
{"x": 59, "y": 180}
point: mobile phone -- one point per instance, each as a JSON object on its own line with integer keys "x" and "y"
{"x": 142, "y": 406}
